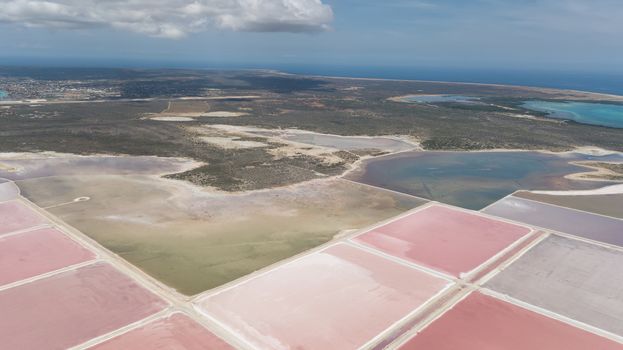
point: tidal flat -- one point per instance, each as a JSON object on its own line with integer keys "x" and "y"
{"x": 21, "y": 166}
{"x": 192, "y": 239}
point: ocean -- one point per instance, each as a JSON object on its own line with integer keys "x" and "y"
{"x": 602, "y": 82}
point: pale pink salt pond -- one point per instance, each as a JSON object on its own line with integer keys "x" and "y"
{"x": 175, "y": 332}
{"x": 8, "y": 191}
{"x": 339, "y": 298}
{"x": 36, "y": 252}
{"x": 16, "y": 216}
{"x": 449, "y": 240}
{"x": 72, "y": 307}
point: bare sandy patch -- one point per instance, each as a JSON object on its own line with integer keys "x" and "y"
{"x": 532, "y": 117}
{"x": 8, "y": 168}
{"x": 223, "y": 114}
{"x": 234, "y": 97}
{"x": 34, "y": 155}
{"x": 224, "y": 139}
{"x": 181, "y": 111}
{"x": 594, "y": 151}
{"x": 247, "y": 130}
{"x": 292, "y": 150}
{"x": 35, "y": 165}
{"x": 231, "y": 142}
{"x": 614, "y": 189}
{"x": 304, "y": 139}
{"x": 173, "y": 119}
{"x": 599, "y": 172}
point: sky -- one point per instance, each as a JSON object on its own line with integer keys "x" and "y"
{"x": 479, "y": 34}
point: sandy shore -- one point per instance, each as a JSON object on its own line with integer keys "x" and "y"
{"x": 596, "y": 174}
{"x": 577, "y": 94}
{"x": 531, "y": 117}
{"x": 586, "y": 150}
{"x": 614, "y": 189}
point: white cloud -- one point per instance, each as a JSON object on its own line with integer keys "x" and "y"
{"x": 171, "y": 18}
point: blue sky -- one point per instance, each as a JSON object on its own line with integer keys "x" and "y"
{"x": 530, "y": 34}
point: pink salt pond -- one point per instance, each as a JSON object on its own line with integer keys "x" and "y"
{"x": 175, "y": 332}
{"x": 16, "y": 216}
{"x": 449, "y": 240}
{"x": 36, "y": 252}
{"x": 339, "y": 298}
{"x": 72, "y": 307}
{"x": 481, "y": 322}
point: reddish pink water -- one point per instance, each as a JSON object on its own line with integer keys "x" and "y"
{"x": 72, "y": 307}
{"x": 15, "y": 216}
{"x": 32, "y": 253}
{"x": 445, "y": 239}
{"x": 481, "y": 322}
{"x": 176, "y": 332}
{"x": 339, "y": 298}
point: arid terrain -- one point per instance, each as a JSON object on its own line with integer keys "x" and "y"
{"x": 173, "y": 113}
{"x": 201, "y": 177}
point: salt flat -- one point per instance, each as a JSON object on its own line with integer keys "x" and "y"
{"x": 570, "y": 277}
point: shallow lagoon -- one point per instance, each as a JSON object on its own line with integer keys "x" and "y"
{"x": 602, "y": 114}
{"x": 474, "y": 179}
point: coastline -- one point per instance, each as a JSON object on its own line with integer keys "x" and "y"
{"x": 360, "y": 166}
{"x": 604, "y": 96}
{"x": 596, "y": 173}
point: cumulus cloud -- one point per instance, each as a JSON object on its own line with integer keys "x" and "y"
{"x": 171, "y": 18}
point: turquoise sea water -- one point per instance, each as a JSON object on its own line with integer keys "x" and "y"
{"x": 474, "y": 179}
{"x": 440, "y": 98}
{"x": 602, "y": 114}
{"x": 3, "y": 95}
